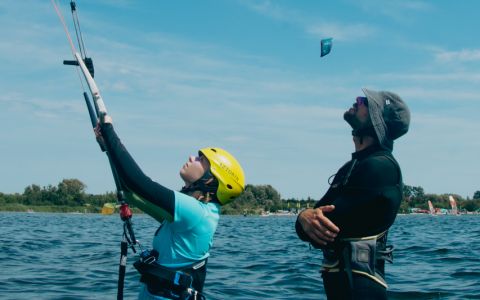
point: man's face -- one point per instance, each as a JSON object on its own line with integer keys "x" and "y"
{"x": 357, "y": 116}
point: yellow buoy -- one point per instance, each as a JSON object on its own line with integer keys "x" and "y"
{"x": 108, "y": 209}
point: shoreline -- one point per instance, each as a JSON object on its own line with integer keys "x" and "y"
{"x": 77, "y": 212}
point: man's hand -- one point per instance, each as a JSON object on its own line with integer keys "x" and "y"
{"x": 317, "y": 226}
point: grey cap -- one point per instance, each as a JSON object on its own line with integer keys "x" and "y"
{"x": 389, "y": 114}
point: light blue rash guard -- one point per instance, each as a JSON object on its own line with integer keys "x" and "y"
{"x": 189, "y": 237}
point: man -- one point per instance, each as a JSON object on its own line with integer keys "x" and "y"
{"x": 351, "y": 221}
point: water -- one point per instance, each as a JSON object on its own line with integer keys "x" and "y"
{"x": 75, "y": 256}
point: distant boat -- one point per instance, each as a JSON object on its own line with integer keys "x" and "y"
{"x": 278, "y": 213}
{"x": 108, "y": 208}
{"x": 418, "y": 211}
{"x": 30, "y": 211}
{"x": 282, "y": 213}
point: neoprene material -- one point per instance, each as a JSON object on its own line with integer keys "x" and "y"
{"x": 148, "y": 195}
{"x": 368, "y": 204}
{"x": 366, "y": 192}
{"x": 334, "y": 284}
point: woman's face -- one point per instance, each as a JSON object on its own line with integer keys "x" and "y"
{"x": 194, "y": 169}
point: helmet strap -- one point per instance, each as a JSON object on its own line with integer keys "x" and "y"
{"x": 207, "y": 184}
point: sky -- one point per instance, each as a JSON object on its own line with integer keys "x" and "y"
{"x": 243, "y": 75}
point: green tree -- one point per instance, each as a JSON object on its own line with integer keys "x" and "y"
{"x": 476, "y": 195}
{"x": 71, "y": 192}
{"x": 254, "y": 199}
{"x": 32, "y": 195}
{"x": 50, "y": 195}
{"x": 413, "y": 192}
{"x": 471, "y": 205}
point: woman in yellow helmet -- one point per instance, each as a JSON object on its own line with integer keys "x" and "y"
{"x": 176, "y": 267}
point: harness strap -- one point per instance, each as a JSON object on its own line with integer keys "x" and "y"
{"x": 178, "y": 278}
{"x": 170, "y": 283}
{"x": 349, "y": 257}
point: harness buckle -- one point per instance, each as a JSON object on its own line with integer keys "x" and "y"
{"x": 149, "y": 256}
{"x": 386, "y": 254}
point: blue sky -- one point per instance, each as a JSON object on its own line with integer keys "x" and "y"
{"x": 243, "y": 75}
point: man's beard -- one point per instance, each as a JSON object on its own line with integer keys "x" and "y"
{"x": 352, "y": 120}
{"x": 359, "y": 128}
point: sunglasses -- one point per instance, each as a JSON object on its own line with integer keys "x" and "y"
{"x": 362, "y": 100}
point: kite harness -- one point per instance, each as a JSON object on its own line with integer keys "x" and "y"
{"x": 171, "y": 283}
{"x": 98, "y": 112}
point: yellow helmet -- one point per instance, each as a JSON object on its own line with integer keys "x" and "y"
{"x": 227, "y": 170}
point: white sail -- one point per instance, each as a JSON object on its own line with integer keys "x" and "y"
{"x": 453, "y": 204}
{"x": 431, "y": 208}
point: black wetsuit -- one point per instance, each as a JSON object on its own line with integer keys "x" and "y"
{"x": 366, "y": 192}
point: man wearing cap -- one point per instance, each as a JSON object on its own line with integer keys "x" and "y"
{"x": 351, "y": 221}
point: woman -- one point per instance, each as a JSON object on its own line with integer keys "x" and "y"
{"x": 188, "y": 218}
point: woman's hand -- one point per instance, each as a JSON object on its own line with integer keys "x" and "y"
{"x": 98, "y": 131}
{"x": 317, "y": 226}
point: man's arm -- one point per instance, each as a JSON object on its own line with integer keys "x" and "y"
{"x": 313, "y": 226}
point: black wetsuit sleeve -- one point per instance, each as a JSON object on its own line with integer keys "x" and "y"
{"x": 132, "y": 176}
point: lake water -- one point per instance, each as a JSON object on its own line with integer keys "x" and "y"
{"x": 75, "y": 256}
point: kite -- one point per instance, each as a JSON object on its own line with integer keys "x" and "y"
{"x": 325, "y": 46}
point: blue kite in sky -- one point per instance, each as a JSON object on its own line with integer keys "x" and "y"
{"x": 325, "y": 46}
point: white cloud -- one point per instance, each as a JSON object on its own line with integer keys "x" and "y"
{"x": 433, "y": 77}
{"x": 270, "y": 9}
{"x": 433, "y": 94}
{"x": 27, "y": 104}
{"x": 464, "y": 55}
{"x": 398, "y": 10}
{"x": 341, "y": 31}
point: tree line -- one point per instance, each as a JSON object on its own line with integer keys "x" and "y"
{"x": 415, "y": 196}
{"x": 70, "y": 195}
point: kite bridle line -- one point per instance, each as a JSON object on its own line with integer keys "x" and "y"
{"x": 99, "y": 113}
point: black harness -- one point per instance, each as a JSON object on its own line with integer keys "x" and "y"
{"x": 171, "y": 283}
